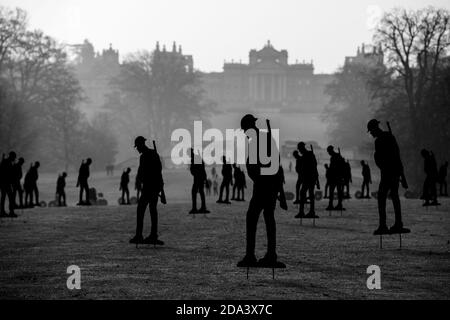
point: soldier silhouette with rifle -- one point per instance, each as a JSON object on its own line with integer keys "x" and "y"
{"x": 150, "y": 176}
{"x": 17, "y": 185}
{"x": 310, "y": 181}
{"x": 124, "y": 181}
{"x": 6, "y": 184}
{"x": 60, "y": 190}
{"x": 431, "y": 179}
{"x": 367, "y": 180}
{"x": 198, "y": 172}
{"x": 387, "y": 158}
{"x": 82, "y": 182}
{"x": 227, "y": 180}
{"x": 266, "y": 188}
{"x": 336, "y": 173}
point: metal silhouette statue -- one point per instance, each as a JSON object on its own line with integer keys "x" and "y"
{"x": 236, "y": 173}
{"x": 442, "y": 179}
{"x": 82, "y": 182}
{"x": 150, "y": 176}
{"x": 310, "y": 181}
{"x": 6, "y": 184}
{"x": 388, "y": 160}
{"x": 264, "y": 197}
{"x": 124, "y": 181}
{"x": 60, "y": 190}
{"x": 367, "y": 180}
{"x": 198, "y": 172}
{"x": 227, "y": 180}
{"x": 327, "y": 181}
{"x": 336, "y": 173}
{"x": 241, "y": 183}
{"x": 347, "y": 179}
{"x": 431, "y": 179}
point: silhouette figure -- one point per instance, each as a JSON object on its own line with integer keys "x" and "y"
{"x": 110, "y": 170}
{"x": 150, "y": 176}
{"x": 17, "y": 185}
{"x": 124, "y": 181}
{"x": 290, "y": 166}
{"x": 83, "y": 176}
{"x": 198, "y": 171}
{"x": 336, "y": 173}
{"x": 6, "y": 184}
{"x": 367, "y": 180}
{"x": 327, "y": 178}
{"x": 265, "y": 191}
{"x": 28, "y": 188}
{"x": 310, "y": 180}
{"x": 215, "y": 187}
{"x": 33, "y": 178}
{"x": 298, "y": 170}
{"x": 431, "y": 179}
{"x": 227, "y": 180}
{"x": 347, "y": 179}
{"x": 442, "y": 179}
{"x": 388, "y": 160}
{"x": 213, "y": 172}
{"x": 60, "y": 190}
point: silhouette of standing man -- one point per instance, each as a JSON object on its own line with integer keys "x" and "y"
{"x": 264, "y": 198}
{"x": 150, "y": 175}
{"x": 34, "y": 177}
{"x": 367, "y": 179}
{"x": 227, "y": 174}
{"x": 124, "y": 180}
{"x": 83, "y": 176}
{"x": 336, "y": 173}
{"x": 6, "y": 185}
{"x": 198, "y": 171}
{"x": 60, "y": 190}
{"x": 431, "y": 172}
{"x": 298, "y": 170}
{"x": 310, "y": 178}
{"x": 387, "y": 158}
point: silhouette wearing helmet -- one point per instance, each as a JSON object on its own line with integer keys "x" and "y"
{"x": 388, "y": 160}
{"x": 310, "y": 178}
{"x": 6, "y": 184}
{"x": 336, "y": 173}
{"x": 61, "y": 190}
{"x": 124, "y": 181}
{"x": 266, "y": 188}
{"x": 150, "y": 176}
{"x": 198, "y": 172}
{"x": 442, "y": 179}
{"x": 83, "y": 176}
{"x": 367, "y": 180}
{"x": 431, "y": 178}
{"x": 227, "y": 180}
{"x": 17, "y": 184}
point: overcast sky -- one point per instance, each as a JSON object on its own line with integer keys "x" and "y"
{"x": 324, "y": 31}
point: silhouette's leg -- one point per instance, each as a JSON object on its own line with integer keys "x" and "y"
{"x": 270, "y": 229}
{"x": 202, "y": 196}
{"x": 64, "y": 198}
{"x": 396, "y": 203}
{"x": 194, "y": 196}
{"x": 302, "y": 198}
{"x": 2, "y": 201}
{"x": 154, "y": 215}
{"x": 128, "y": 195}
{"x": 312, "y": 198}
{"x": 331, "y": 194}
{"x": 20, "y": 196}
{"x": 227, "y": 191}
{"x": 222, "y": 187}
{"x": 142, "y": 206}
{"x": 382, "y": 195}
{"x": 253, "y": 212}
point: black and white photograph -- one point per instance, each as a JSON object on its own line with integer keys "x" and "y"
{"x": 224, "y": 156}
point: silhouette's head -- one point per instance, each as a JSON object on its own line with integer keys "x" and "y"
{"x": 224, "y": 159}
{"x": 373, "y": 127}
{"x": 89, "y": 161}
{"x": 248, "y": 122}
{"x": 301, "y": 147}
{"x": 64, "y": 174}
{"x": 330, "y": 150}
{"x": 362, "y": 162}
{"x": 326, "y": 166}
{"x": 139, "y": 144}
{"x": 37, "y": 164}
{"x": 21, "y": 161}
{"x": 295, "y": 153}
{"x": 424, "y": 153}
{"x": 128, "y": 170}
{"x": 12, "y": 156}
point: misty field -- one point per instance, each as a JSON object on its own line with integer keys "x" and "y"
{"x": 328, "y": 261}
